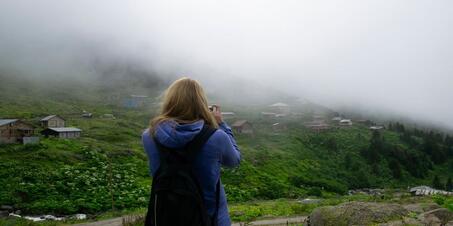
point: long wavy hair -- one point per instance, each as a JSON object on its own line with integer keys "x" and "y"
{"x": 184, "y": 101}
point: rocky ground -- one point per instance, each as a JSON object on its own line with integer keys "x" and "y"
{"x": 382, "y": 214}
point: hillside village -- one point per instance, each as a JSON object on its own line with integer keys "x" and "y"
{"x": 69, "y": 156}
{"x": 277, "y": 116}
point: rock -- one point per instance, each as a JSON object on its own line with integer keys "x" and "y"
{"x": 6, "y": 207}
{"x": 415, "y": 208}
{"x": 14, "y": 215}
{"x": 436, "y": 217}
{"x": 404, "y": 222}
{"x": 450, "y": 223}
{"x": 429, "y": 206}
{"x": 80, "y": 216}
{"x": 4, "y": 213}
{"x": 18, "y": 212}
{"x": 356, "y": 213}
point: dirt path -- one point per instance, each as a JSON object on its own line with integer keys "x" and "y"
{"x": 278, "y": 221}
{"x": 111, "y": 222}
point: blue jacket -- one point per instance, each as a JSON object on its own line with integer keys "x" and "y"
{"x": 219, "y": 150}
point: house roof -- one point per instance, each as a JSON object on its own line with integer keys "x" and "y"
{"x": 138, "y": 96}
{"x": 345, "y": 120}
{"x": 7, "y": 121}
{"x": 239, "y": 123}
{"x": 65, "y": 129}
{"x": 268, "y": 113}
{"x": 279, "y": 104}
{"x": 47, "y": 118}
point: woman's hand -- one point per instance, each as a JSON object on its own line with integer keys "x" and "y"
{"x": 217, "y": 113}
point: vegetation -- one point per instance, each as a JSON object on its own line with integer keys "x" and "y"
{"x": 107, "y": 169}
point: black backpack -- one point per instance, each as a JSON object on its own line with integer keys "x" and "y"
{"x": 176, "y": 195}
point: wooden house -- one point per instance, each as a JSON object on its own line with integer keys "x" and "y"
{"x": 317, "y": 126}
{"x": 268, "y": 114}
{"x": 336, "y": 119}
{"x": 281, "y": 108}
{"x": 228, "y": 115}
{"x": 86, "y": 114}
{"x": 65, "y": 132}
{"x": 135, "y": 101}
{"x": 278, "y": 127}
{"x": 14, "y": 131}
{"x": 376, "y": 127}
{"x": 53, "y": 121}
{"x": 242, "y": 126}
{"x": 345, "y": 122}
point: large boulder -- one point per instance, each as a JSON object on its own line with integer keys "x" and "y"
{"x": 356, "y": 213}
{"x": 439, "y": 216}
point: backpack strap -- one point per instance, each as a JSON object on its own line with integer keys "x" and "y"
{"x": 217, "y": 203}
{"x": 194, "y": 146}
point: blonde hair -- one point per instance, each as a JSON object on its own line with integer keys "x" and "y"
{"x": 184, "y": 101}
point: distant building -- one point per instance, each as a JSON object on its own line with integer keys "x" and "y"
{"x": 281, "y": 115}
{"x": 281, "y": 108}
{"x": 278, "y": 127}
{"x": 134, "y": 101}
{"x": 228, "y": 115}
{"x": 66, "y": 132}
{"x": 87, "y": 114}
{"x": 54, "y": 121}
{"x": 336, "y": 119}
{"x": 297, "y": 115}
{"x": 242, "y": 126}
{"x": 376, "y": 127}
{"x": 268, "y": 114}
{"x": 345, "y": 122}
{"x": 14, "y": 131}
{"x": 317, "y": 126}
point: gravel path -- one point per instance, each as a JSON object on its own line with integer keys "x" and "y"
{"x": 279, "y": 221}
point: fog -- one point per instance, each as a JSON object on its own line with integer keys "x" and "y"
{"x": 383, "y": 55}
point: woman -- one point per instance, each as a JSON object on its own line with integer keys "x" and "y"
{"x": 183, "y": 114}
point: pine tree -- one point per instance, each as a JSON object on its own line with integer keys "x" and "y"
{"x": 449, "y": 185}
{"x": 436, "y": 183}
{"x": 396, "y": 169}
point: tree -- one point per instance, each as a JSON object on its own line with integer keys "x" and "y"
{"x": 436, "y": 183}
{"x": 449, "y": 185}
{"x": 375, "y": 148}
{"x": 396, "y": 169}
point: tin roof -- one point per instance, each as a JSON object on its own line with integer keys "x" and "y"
{"x": 65, "y": 129}
{"x": 279, "y": 105}
{"x": 7, "y": 121}
{"x": 239, "y": 123}
{"x": 47, "y": 118}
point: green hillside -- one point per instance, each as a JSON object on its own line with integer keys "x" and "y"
{"x": 107, "y": 169}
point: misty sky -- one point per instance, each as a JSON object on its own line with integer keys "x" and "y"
{"x": 387, "y": 55}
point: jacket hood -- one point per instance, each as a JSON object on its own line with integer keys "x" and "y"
{"x": 174, "y": 135}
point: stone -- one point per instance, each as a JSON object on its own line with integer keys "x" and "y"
{"x": 436, "y": 217}
{"x": 429, "y": 206}
{"x": 80, "y": 216}
{"x": 6, "y": 207}
{"x": 356, "y": 213}
{"x": 4, "y": 213}
{"x": 415, "y": 208}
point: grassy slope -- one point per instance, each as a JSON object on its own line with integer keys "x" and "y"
{"x": 107, "y": 166}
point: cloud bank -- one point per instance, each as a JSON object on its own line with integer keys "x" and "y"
{"x": 384, "y": 55}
